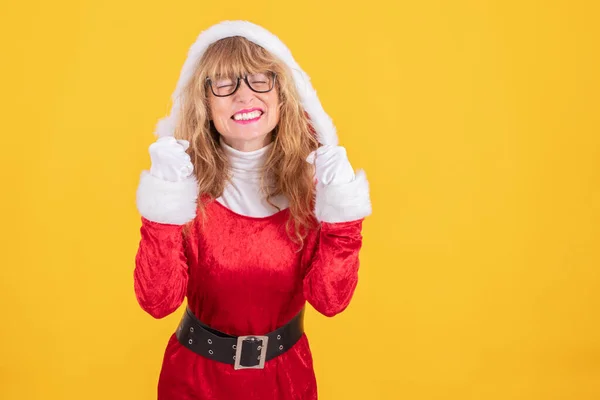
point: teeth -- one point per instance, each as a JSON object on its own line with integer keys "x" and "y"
{"x": 246, "y": 116}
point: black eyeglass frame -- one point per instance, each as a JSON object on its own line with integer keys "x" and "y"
{"x": 237, "y": 85}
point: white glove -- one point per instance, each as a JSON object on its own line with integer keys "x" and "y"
{"x": 170, "y": 162}
{"x": 331, "y": 165}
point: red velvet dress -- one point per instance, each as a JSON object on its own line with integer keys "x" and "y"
{"x": 243, "y": 275}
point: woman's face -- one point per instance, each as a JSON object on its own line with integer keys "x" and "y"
{"x": 246, "y": 118}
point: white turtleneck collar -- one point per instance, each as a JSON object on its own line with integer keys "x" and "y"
{"x": 242, "y": 193}
{"x": 246, "y": 164}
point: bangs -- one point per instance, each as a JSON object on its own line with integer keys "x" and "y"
{"x": 235, "y": 56}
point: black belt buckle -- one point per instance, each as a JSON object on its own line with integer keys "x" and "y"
{"x": 262, "y": 347}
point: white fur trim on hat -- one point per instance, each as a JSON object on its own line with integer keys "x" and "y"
{"x": 167, "y": 202}
{"x": 344, "y": 202}
{"x": 322, "y": 123}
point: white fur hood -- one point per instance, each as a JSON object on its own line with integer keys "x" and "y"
{"x": 321, "y": 122}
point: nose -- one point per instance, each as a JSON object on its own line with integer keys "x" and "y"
{"x": 243, "y": 94}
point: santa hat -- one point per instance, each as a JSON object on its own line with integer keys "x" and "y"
{"x": 320, "y": 121}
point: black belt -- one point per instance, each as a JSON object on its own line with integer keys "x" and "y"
{"x": 250, "y": 351}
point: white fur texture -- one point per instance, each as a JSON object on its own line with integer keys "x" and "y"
{"x": 322, "y": 123}
{"x": 344, "y": 202}
{"x": 167, "y": 202}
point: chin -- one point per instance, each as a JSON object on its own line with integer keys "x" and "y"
{"x": 247, "y": 138}
{"x": 252, "y": 135}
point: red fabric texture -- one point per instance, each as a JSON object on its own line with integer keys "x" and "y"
{"x": 243, "y": 275}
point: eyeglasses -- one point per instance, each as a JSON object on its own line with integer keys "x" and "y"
{"x": 261, "y": 82}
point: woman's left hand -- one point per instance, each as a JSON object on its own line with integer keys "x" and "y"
{"x": 332, "y": 166}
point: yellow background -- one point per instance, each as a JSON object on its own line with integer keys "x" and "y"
{"x": 477, "y": 123}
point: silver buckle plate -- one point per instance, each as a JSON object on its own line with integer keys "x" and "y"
{"x": 263, "y": 351}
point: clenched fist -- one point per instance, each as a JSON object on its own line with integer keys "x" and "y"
{"x": 170, "y": 161}
{"x": 331, "y": 165}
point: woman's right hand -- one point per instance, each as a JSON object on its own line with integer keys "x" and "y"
{"x": 170, "y": 161}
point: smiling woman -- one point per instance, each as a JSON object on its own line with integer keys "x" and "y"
{"x": 242, "y": 90}
{"x": 250, "y": 209}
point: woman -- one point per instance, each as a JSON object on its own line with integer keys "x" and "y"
{"x": 250, "y": 209}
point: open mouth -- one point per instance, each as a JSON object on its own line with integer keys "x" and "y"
{"x": 247, "y": 116}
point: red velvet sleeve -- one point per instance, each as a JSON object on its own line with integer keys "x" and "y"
{"x": 332, "y": 266}
{"x": 161, "y": 270}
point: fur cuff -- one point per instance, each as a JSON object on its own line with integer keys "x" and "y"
{"x": 167, "y": 202}
{"x": 344, "y": 203}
